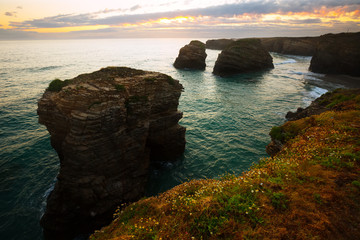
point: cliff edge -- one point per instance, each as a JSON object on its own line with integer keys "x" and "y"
{"x": 106, "y": 127}
{"x": 309, "y": 190}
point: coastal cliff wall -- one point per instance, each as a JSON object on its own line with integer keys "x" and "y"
{"x": 303, "y": 46}
{"x": 337, "y": 54}
{"x": 309, "y": 190}
{"x": 106, "y": 127}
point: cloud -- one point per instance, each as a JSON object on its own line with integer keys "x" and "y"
{"x": 134, "y": 8}
{"x": 306, "y": 21}
{"x": 19, "y": 7}
{"x": 10, "y": 14}
{"x": 220, "y": 11}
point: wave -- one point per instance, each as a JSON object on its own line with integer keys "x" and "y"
{"x": 288, "y": 61}
{"x": 41, "y": 69}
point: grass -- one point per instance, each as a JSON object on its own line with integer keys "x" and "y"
{"x": 310, "y": 190}
{"x": 170, "y": 80}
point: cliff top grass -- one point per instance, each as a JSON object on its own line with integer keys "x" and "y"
{"x": 309, "y": 190}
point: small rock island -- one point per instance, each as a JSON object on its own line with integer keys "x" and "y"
{"x": 106, "y": 126}
{"x": 192, "y": 56}
{"x": 241, "y": 56}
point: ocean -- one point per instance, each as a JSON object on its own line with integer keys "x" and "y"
{"x": 227, "y": 119}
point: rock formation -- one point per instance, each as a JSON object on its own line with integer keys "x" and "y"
{"x": 245, "y": 55}
{"x": 337, "y": 54}
{"x": 303, "y": 46}
{"x": 106, "y": 127}
{"x": 218, "y": 44}
{"x": 191, "y": 56}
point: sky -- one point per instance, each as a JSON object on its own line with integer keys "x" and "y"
{"x": 72, "y": 19}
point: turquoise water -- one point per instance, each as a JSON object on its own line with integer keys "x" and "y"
{"x": 227, "y": 119}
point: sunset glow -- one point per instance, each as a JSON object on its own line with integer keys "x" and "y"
{"x": 262, "y": 18}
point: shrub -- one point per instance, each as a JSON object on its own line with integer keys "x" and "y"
{"x": 56, "y": 85}
{"x": 279, "y": 201}
{"x": 276, "y": 133}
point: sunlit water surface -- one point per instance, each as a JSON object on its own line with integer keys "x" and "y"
{"x": 227, "y": 119}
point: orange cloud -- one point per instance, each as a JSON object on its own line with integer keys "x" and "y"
{"x": 67, "y": 29}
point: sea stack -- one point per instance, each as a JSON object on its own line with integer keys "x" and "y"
{"x": 337, "y": 54}
{"x": 106, "y": 126}
{"x": 241, "y": 56}
{"x": 192, "y": 56}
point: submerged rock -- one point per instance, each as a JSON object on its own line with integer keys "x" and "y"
{"x": 245, "y": 55}
{"x": 337, "y": 54}
{"x": 191, "y": 56}
{"x": 106, "y": 127}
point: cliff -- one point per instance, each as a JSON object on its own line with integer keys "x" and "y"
{"x": 338, "y": 100}
{"x": 309, "y": 190}
{"x": 106, "y": 127}
{"x": 337, "y": 54}
{"x": 241, "y": 56}
{"x": 218, "y": 44}
{"x": 191, "y": 56}
{"x": 303, "y": 46}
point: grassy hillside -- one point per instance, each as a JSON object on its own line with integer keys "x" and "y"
{"x": 309, "y": 190}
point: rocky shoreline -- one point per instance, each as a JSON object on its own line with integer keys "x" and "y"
{"x": 310, "y": 187}
{"x": 109, "y": 125}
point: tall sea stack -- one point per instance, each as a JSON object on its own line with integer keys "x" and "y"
{"x": 106, "y": 126}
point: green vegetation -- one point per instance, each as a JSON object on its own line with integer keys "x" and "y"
{"x": 279, "y": 200}
{"x": 170, "y": 80}
{"x": 309, "y": 190}
{"x": 276, "y": 133}
{"x": 339, "y": 98}
{"x": 56, "y": 85}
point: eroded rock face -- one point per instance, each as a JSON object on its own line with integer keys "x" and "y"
{"x": 191, "y": 56}
{"x": 303, "y": 46}
{"x": 245, "y": 55}
{"x": 106, "y": 127}
{"x": 337, "y": 54}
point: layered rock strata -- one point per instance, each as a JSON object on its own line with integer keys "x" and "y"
{"x": 337, "y": 54}
{"x": 106, "y": 127}
{"x": 245, "y": 55}
{"x": 192, "y": 56}
{"x": 302, "y": 46}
